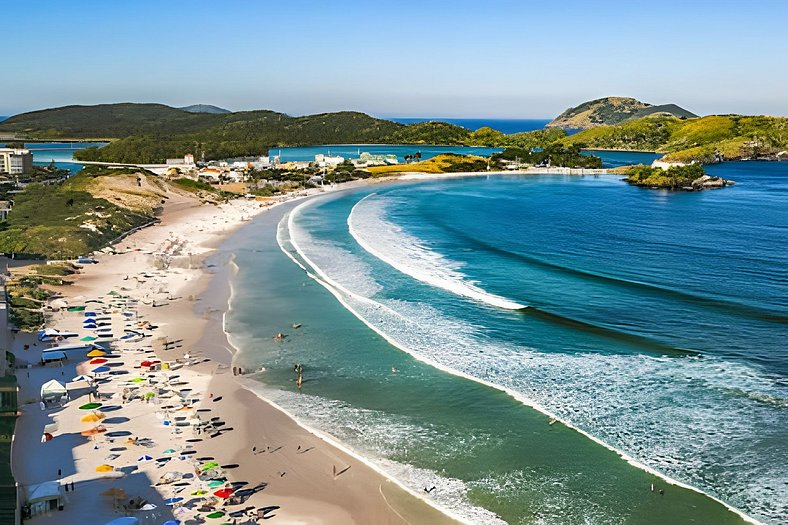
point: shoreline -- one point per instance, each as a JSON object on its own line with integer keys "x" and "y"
{"x": 336, "y": 290}
{"x": 309, "y": 493}
{"x": 221, "y": 350}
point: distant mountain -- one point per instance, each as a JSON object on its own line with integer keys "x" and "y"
{"x": 2, "y": 118}
{"x": 204, "y": 108}
{"x": 610, "y": 111}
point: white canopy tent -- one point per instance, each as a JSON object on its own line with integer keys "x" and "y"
{"x": 52, "y": 391}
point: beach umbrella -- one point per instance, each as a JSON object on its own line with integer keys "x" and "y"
{"x": 224, "y": 493}
{"x": 199, "y": 493}
{"x": 137, "y": 380}
{"x": 75, "y": 309}
{"x": 150, "y": 395}
{"x": 90, "y": 314}
{"x": 115, "y": 492}
{"x": 172, "y": 501}
{"x": 105, "y": 468}
{"x": 148, "y": 506}
{"x": 172, "y": 522}
{"x": 217, "y": 514}
{"x": 144, "y": 458}
{"x": 90, "y": 406}
{"x": 92, "y": 418}
{"x": 100, "y": 370}
{"x": 88, "y": 338}
{"x": 98, "y": 361}
{"x": 210, "y": 465}
{"x": 82, "y": 378}
{"x": 216, "y": 483}
{"x": 169, "y": 451}
{"x": 93, "y": 431}
{"x": 96, "y": 353}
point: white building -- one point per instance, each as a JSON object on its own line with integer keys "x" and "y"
{"x": 15, "y": 161}
{"x": 327, "y": 161}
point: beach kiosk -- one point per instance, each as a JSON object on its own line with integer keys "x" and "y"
{"x": 52, "y": 391}
{"x": 43, "y": 498}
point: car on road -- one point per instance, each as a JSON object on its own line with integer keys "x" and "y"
{"x": 86, "y": 260}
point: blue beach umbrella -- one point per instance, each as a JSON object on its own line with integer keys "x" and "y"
{"x": 172, "y": 501}
{"x": 90, "y": 314}
{"x": 100, "y": 369}
{"x": 145, "y": 458}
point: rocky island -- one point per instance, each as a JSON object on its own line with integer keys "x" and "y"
{"x": 678, "y": 178}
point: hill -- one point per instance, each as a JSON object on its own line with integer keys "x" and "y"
{"x": 151, "y": 133}
{"x": 703, "y": 139}
{"x": 610, "y": 111}
{"x": 204, "y": 108}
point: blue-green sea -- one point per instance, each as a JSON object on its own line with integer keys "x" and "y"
{"x": 541, "y": 349}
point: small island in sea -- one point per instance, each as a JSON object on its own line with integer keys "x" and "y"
{"x": 682, "y": 178}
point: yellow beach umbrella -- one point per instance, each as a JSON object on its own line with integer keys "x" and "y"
{"x": 96, "y": 353}
{"x": 93, "y": 417}
{"x": 105, "y": 468}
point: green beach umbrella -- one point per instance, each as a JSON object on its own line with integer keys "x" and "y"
{"x": 169, "y": 451}
{"x": 75, "y": 309}
{"x": 208, "y": 466}
{"x": 150, "y": 395}
{"x": 217, "y": 514}
{"x": 216, "y": 483}
{"x": 137, "y": 380}
{"x": 90, "y": 406}
{"x": 199, "y": 492}
{"x": 88, "y": 338}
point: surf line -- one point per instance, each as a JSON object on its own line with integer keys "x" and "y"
{"x": 334, "y": 288}
{"x": 341, "y": 293}
{"x": 456, "y": 286}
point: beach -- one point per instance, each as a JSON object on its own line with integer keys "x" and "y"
{"x": 159, "y": 428}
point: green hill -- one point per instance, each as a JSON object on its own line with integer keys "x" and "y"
{"x": 610, "y": 111}
{"x": 151, "y": 133}
{"x": 704, "y": 139}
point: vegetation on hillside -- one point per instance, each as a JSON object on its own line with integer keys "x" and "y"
{"x": 445, "y": 163}
{"x": 67, "y": 219}
{"x": 674, "y": 178}
{"x": 27, "y": 297}
{"x": 610, "y": 111}
{"x": 705, "y": 140}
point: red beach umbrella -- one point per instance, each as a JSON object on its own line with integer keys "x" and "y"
{"x": 149, "y": 363}
{"x": 98, "y": 361}
{"x": 223, "y": 493}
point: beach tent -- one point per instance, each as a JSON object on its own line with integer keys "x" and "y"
{"x": 44, "y": 497}
{"x": 52, "y": 357}
{"x": 52, "y": 391}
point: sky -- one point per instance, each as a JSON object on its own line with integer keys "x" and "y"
{"x": 427, "y": 58}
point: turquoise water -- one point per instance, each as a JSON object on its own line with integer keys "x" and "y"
{"x": 610, "y": 159}
{"x": 652, "y": 322}
{"x": 352, "y": 151}
{"x": 61, "y": 153}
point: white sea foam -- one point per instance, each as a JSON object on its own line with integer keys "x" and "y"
{"x": 671, "y": 417}
{"x": 411, "y": 256}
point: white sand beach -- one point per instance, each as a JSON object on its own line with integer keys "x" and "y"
{"x": 176, "y": 435}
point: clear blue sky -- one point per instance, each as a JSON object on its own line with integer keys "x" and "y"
{"x": 517, "y": 59}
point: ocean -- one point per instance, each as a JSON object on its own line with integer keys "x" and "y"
{"x": 541, "y": 349}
